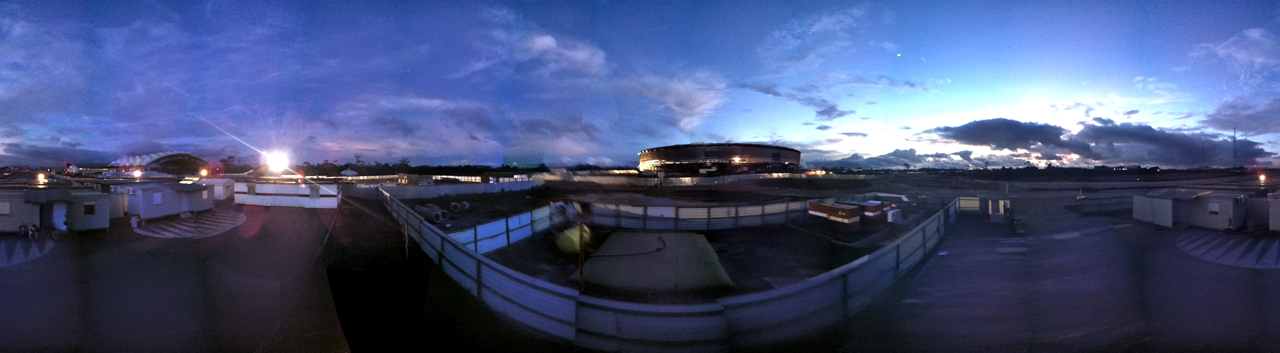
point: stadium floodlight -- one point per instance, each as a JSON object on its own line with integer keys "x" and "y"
{"x": 277, "y": 161}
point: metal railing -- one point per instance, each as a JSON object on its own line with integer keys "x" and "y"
{"x": 739, "y": 321}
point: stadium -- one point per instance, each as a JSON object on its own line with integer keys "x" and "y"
{"x": 719, "y": 158}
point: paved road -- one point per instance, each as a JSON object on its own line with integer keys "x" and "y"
{"x": 257, "y": 287}
{"x": 1073, "y": 284}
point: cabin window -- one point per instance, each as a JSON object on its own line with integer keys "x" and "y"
{"x": 157, "y": 198}
{"x": 1213, "y": 208}
{"x": 4, "y": 208}
{"x": 90, "y": 208}
{"x": 205, "y": 195}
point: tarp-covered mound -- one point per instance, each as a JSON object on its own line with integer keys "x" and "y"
{"x": 655, "y": 262}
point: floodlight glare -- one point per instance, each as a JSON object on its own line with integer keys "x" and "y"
{"x": 137, "y": 174}
{"x": 277, "y": 161}
{"x": 204, "y": 172}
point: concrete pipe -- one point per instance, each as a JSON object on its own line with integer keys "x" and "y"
{"x": 459, "y": 206}
{"x": 431, "y": 215}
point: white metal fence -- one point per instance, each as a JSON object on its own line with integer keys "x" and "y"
{"x": 694, "y": 218}
{"x": 498, "y": 234}
{"x": 692, "y": 181}
{"x": 430, "y": 191}
{"x": 731, "y": 322}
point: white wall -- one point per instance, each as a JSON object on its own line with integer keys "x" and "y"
{"x": 289, "y": 195}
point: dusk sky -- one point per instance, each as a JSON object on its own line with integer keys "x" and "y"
{"x": 858, "y": 84}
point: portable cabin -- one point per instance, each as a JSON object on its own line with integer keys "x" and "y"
{"x": 149, "y": 201}
{"x": 850, "y": 215}
{"x": 874, "y": 209}
{"x": 194, "y": 197}
{"x": 1200, "y": 208}
{"x": 15, "y": 212}
{"x": 70, "y": 209}
{"x": 222, "y": 188}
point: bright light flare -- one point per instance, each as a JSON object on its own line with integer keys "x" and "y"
{"x": 1262, "y": 178}
{"x": 277, "y": 161}
{"x": 204, "y": 173}
{"x": 40, "y": 178}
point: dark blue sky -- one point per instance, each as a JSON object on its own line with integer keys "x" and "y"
{"x": 852, "y": 83}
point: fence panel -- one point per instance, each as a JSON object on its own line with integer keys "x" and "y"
{"x": 722, "y": 212}
{"x": 775, "y": 208}
{"x": 692, "y": 224}
{"x": 613, "y": 325}
{"x": 661, "y": 212}
{"x": 750, "y": 211}
{"x": 693, "y": 213}
{"x": 785, "y": 313}
{"x": 747, "y": 320}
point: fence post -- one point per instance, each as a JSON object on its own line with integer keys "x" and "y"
{"x": 644, "y": 218}
{"x": 897, "y": 259}
{"x": 475, "y": 239}
{"x": 508, "y": 231}
{"x": 924, "y": 243}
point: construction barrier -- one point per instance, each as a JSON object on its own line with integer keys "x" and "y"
{"x": 743, "y": 321}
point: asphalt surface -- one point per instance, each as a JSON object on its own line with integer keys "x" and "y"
{"x": 257, "y": 287}
{"x": 1072, "y": 283}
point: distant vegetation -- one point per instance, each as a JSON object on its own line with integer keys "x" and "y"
{"x": 331, "y": 168}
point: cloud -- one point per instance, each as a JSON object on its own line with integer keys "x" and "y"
{"x": 32, "y": 155}
{"x": 838, "y": 79}
{"x": 44, "y": 66}
{"x": 1130, "y": 113}
{"x": 825, "y": 110}
{"x": 1249, "y": 116}
{"x": 1143, "y": 144}
{"x": 682, "y": 102}
{"x": 517, "y": 46}
{"x": 823, "y": 127}
{"x": 811, "y": 39}
{"x": 1254, "y": 47}
{"x": 896, "y": 159}
{"x": 1012, "y": 135}
{"x": 965, "y": 155}
{"x": 905, "y": 127}
{"x": 1104, "y": 121}
{"x": 1088, "y": 109}
{"x": 854, "y": 134}
{"x": 1254, "y": 53}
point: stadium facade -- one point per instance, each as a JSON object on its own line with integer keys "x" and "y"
{"x": 720, "y": 158}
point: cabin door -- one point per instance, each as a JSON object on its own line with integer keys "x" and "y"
{"x": 58, "y": 216}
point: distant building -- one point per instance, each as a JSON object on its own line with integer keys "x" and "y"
{"x": 720, "y": 158}
{"x": 1200, "y": 208}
